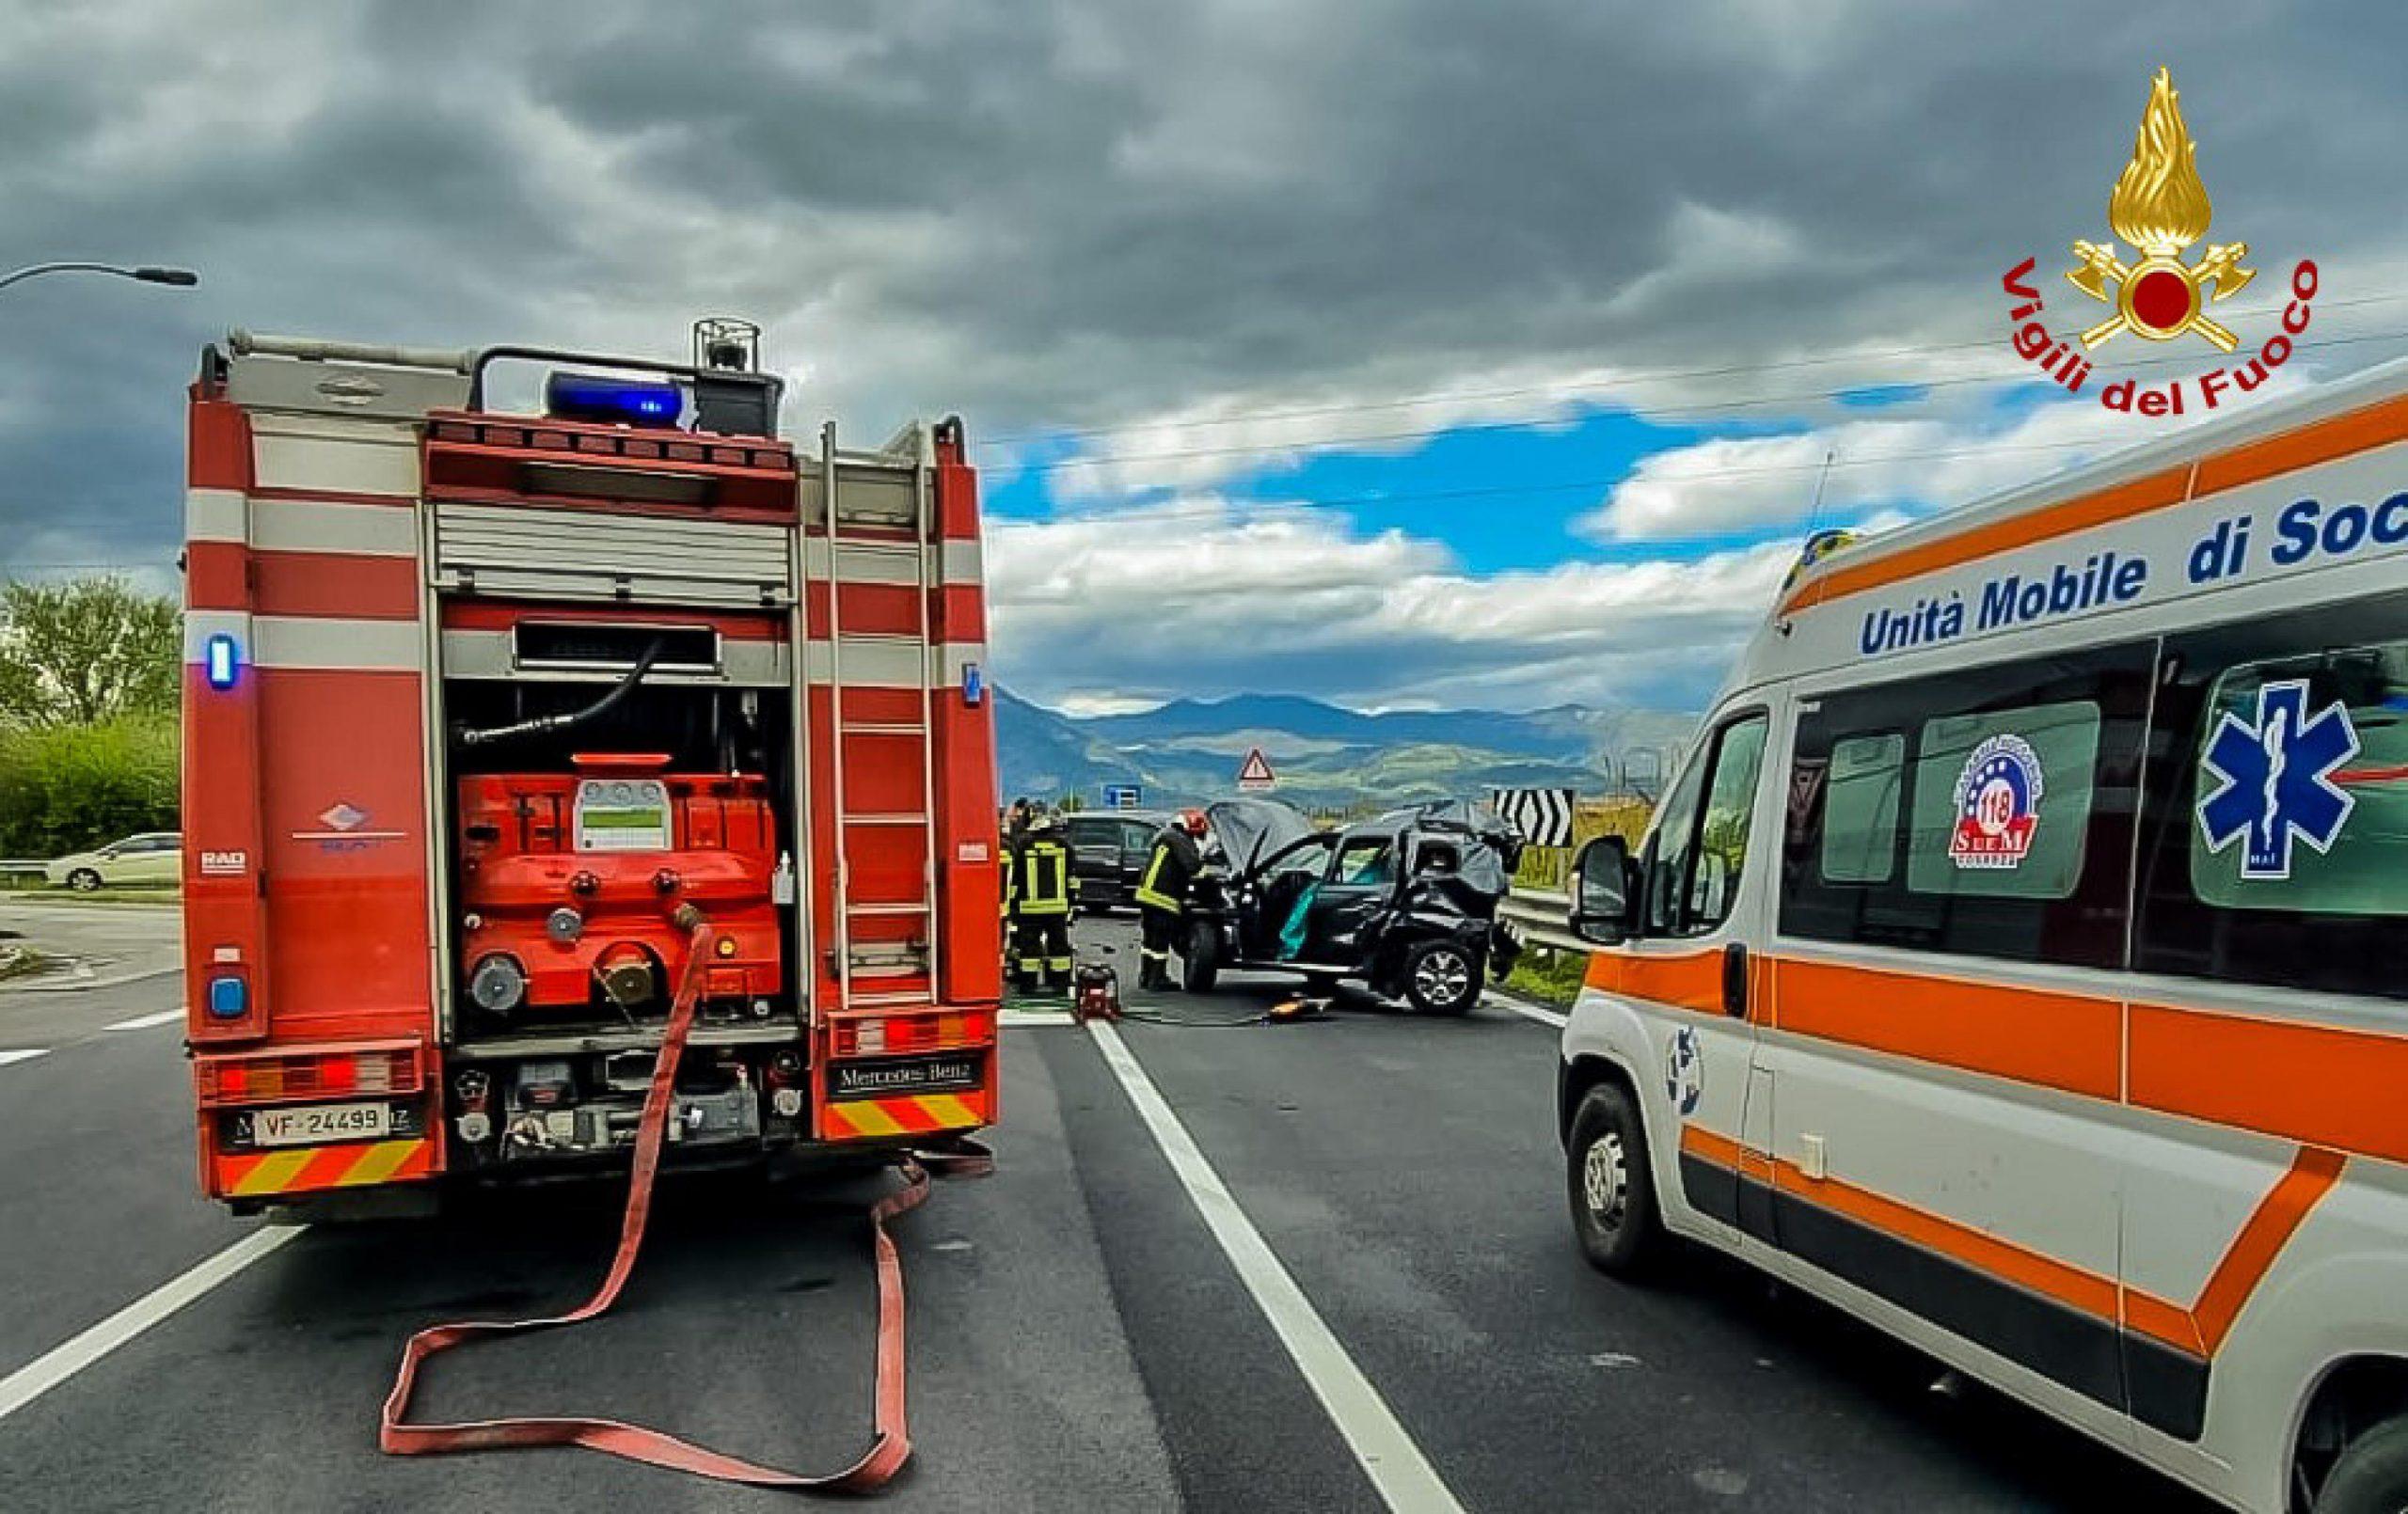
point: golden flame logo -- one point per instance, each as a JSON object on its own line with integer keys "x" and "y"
{"x": 2160, "y": 207}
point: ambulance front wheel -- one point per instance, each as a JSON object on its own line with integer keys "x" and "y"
{"x": 1613, "y": 1197}
{"x": 2371, "y": 1477}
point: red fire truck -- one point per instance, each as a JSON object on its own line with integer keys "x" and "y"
{"x": 485, "y": 710}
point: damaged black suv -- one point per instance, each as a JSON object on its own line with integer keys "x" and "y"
{"x": 1406, "y": 903}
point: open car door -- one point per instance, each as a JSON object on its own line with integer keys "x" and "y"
{"x": 1285, "y": 889}
{"x": 1359, "y": 885}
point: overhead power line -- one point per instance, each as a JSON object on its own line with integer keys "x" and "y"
{"x": 1703, "y": 407}
{"x": 1829, "y": 462}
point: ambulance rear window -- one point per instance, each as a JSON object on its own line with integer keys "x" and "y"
{"x": 2301, "y": 799}
{"x": 2276, "y": 846}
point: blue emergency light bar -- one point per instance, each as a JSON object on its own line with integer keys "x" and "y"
{"x": 612, "y": 401}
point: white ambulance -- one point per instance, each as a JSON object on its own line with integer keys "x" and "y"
{"x": 2019, "y": 962}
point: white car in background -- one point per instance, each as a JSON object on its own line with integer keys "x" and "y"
{"x": 153, "y": 858}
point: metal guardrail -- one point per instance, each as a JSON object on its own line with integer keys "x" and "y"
{"x": 22, "y": 867}
{"x": 1542, "y": 919}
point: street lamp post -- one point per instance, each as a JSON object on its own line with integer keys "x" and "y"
{"x": 180, "y": 278}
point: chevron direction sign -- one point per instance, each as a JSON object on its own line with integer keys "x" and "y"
{"x": 1544, "y": 816}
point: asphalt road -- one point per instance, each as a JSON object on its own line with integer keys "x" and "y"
{"x": 1079, "y": 1338}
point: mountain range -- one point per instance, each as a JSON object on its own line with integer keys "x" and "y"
{"x": 1327, "y": 757}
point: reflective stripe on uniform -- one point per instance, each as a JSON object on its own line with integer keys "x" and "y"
{"x": 1045, "y": 894}
{"x": 1147, "y": 892}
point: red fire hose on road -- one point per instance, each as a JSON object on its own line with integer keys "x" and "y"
{"x": 892, "y": 1443}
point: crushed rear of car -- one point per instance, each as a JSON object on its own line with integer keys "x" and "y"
{"x": 1404, "y": 904}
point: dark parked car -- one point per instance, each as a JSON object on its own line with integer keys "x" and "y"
{"x": 1405, "y": 903}
{"x": 1108, "y": 852}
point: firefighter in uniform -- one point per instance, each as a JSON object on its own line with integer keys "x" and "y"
{"x": 1162, "y": 895}
{"x": 1042, "y": 893}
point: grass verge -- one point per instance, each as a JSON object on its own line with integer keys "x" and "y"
{"x": 1548, "y": 976}
{"x": 97, "y": 896}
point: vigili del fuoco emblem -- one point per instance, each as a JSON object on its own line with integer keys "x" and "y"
{"x": 2158, "y": 208}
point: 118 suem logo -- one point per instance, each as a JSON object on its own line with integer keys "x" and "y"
{"x": 2161, "y": 207}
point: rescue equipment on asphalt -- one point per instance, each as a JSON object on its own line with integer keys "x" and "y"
{"x": 890, "y": 1446}
{"x": 1095, "y": 992}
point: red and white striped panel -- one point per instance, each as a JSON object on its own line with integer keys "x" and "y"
{"x": 302, "y": 546}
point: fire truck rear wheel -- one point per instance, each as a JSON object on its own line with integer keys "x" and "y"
{"x": 83, "y": 880}
{"x": 2371, "y": 1477}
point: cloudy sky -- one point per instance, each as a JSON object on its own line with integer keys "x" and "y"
{"x": 1389, "y": 351}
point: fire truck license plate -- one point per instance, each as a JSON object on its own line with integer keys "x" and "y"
{"x": 320, "y": 1122}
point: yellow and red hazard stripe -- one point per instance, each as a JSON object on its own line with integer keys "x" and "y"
{"x": 856, "y": 1119}
{"x": 303, "y": 1169}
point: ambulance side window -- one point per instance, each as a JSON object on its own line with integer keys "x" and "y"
{"x": 2275, "y": 847}
{"x": 1986, "y": 811}
{"x": 1861, "y": 808}
{"x": 1668, "y": 853}
{"x": 1701, "y": 845}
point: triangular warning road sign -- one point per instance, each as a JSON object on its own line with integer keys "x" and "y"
{"x": 1255, "y": 772}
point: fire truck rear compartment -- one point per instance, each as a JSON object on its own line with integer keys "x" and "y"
{"x": 572, "y": 846}
{"x": 583, "y": 809}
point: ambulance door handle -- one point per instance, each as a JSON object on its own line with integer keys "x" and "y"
{"x": 1734, "y": 981}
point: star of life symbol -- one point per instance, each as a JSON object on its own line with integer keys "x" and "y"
{"x": 2161, "y": 207}
{"x": 2276, "y": 776}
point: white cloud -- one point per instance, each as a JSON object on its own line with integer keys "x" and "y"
{"x": 1206, "y": 442}
{"x": 1201, "y": 598}
{"x": 1902, "y": 466}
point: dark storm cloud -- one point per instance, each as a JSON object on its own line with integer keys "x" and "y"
{"x": 1057, "y": 213}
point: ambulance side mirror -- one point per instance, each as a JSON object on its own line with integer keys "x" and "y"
{"x": 1602, "y": 895}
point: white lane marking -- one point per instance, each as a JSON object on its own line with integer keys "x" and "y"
{"x": 1012, "y": 1020}
{"x": 25, "y": 1054}
{"x": 1402, "y": 1475}
{"x": 1528, "y": 1012}
{"x": 54, "y": 1366}
{"x": 143, "y": 1022}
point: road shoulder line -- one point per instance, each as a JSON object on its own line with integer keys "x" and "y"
{"x": 60, "y": 1363}
{"x": 144, "y": 1022}
{"x": 1527, "y": 1009}
{"x": 23, "y": 1054}
{"x": 1396, "y": 1466}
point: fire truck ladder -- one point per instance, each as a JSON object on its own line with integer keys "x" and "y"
{"x": 914, "y": 967}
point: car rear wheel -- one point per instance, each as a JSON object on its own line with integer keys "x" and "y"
{"x": 1441, "y": 977}
{"x": 1200, "y": 963}
{"x": 1613, "y": 1197}
{"x": 83, "y": 880}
